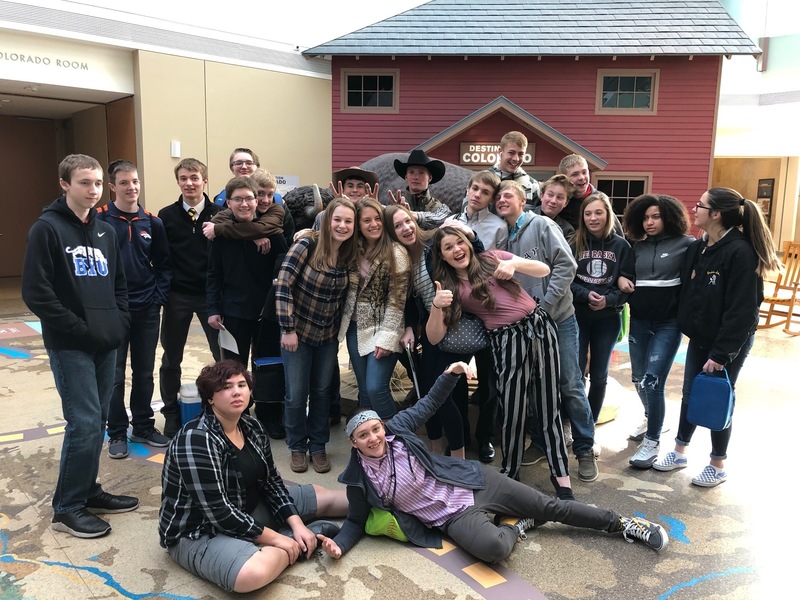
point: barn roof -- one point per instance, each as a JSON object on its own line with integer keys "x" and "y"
{"x": 549, "y": 28}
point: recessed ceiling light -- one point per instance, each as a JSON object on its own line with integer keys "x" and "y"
{"x": 4, "y": 100}
{"x": 31, "y": 88}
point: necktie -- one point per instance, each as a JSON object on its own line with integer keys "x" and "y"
{"x": 192, "y": 213}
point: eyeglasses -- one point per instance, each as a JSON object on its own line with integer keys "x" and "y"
{"x": 699, "y": 205}
{"x": 241, "y": 200}
{"x": 243, "y": 163}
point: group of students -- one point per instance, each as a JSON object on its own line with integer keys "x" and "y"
{"x": 383, "y": 279}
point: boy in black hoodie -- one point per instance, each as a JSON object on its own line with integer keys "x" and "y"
{"x": 73, "y": 281}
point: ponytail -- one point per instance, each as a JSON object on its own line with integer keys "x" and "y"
{"x": 736, "y": 211}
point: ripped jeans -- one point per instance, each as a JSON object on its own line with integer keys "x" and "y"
{"x": 652, "y": 345}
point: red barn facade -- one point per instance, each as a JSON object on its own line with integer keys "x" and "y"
{"x": 641, "y": 109}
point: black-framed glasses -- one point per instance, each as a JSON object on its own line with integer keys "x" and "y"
{"x": 243, "y": 163}
{"x": 241, "y": 200}
{"x": 699, "y": 205}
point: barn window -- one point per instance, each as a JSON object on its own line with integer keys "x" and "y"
{"x": 628, "y": 91}
{"x": 622, "y": 188}
{"x": 369, "y": 91}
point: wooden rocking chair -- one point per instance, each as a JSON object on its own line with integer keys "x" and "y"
{"x": 780, "y": 307}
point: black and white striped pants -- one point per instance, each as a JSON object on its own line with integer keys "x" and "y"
{"x": 525, "y": 357}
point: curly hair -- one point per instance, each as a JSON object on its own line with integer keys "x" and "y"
{"x": 673, "y": 215}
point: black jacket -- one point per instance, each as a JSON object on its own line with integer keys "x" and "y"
{"x": 188, "y": 247}
{"x": 720, "y": 295}
{"x": 73, "y": 280}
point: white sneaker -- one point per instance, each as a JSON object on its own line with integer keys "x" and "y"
{"x": 646, "y": 455}
{"x": 637, "y": 435}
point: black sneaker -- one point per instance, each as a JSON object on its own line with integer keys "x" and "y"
{"x": 152, "y": 438}
{"x": 111, "y": 503}
{"x": 80, "y": 523}
{"x": 118, "y": 447}
{"x": 652, "y": 534}
{"x": 521, "y": 525}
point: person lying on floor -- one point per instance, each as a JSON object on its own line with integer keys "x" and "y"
{"x": 390, "y": 468}
{"x": 226, "y": 514}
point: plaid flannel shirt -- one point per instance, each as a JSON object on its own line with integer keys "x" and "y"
{"x": 308, "y": 301}
{"x": 201, "y": 492}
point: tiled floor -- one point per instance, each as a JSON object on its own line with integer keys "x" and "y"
{"x": 732, "y": 542}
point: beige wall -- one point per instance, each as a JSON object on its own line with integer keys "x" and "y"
{"x": 743, "y": 173}
{"x": 212, "y": 108}
{"x": 169, "y": 105}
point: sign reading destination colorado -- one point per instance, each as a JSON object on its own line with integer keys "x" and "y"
{"x": 483, "y": 154}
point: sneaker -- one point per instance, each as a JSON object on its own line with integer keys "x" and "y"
{"x": 709, "y": 477}
{"x": 299, "y": 462}
{"x": 152, "y": 438}
{"x": 646, "y": 455}
{"x": 118, "y": 447}
{"x": 521, "y": 525}
{"x": 567, "y": 426}
{"x": 587, "y": 467}
{"x": 637, "y": 435}
{"x": 80, "y": 523}
{"x": 320, "y": 462}
{"x": 111, "y": 503}
{"x": 670, "y": 462}
{"x": 531, "y": 456}
{"x": 652, "y": 534}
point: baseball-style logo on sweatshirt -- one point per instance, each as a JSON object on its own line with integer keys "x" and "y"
{"x": 88, "y": 261}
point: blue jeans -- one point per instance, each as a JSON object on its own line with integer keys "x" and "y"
{"x": 574, "y": 403}
{"x": 309, "y": 372}
{"x": 696, "y": 357}
{"x": 652, "y": 346}
{"x": 84, "y": 382}
{"x": 142, "y": 339}
{"x": 372, "y": 376}
{"x": 598, "y": 336}
{"x": 176, "y": 319}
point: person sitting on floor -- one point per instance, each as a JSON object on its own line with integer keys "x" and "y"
{"x": 226, "y": 514}
{"x": 391, "y": 469}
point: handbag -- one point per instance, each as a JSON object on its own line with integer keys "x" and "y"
{"x": 468, "y": 336}
{"x": 711, "y": 401}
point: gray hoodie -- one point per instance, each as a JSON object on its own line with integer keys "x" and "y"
{"x": 539, "y": 238}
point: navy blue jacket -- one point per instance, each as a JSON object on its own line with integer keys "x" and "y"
{"x": 144, "y": 250}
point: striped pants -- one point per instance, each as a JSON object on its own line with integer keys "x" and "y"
{"x": 525, "y": 356}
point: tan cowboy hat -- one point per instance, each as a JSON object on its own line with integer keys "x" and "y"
{"x": 370, "y": 177}
{"x": 418, "y": 158}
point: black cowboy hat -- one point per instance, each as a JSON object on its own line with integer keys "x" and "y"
{"x": 418, "y": 158}
{"x": 370, "y": 177}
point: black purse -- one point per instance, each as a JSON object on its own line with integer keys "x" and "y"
{"x": 467, "y": 337}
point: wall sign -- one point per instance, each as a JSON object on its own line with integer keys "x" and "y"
{"x": 484, "y": 154}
